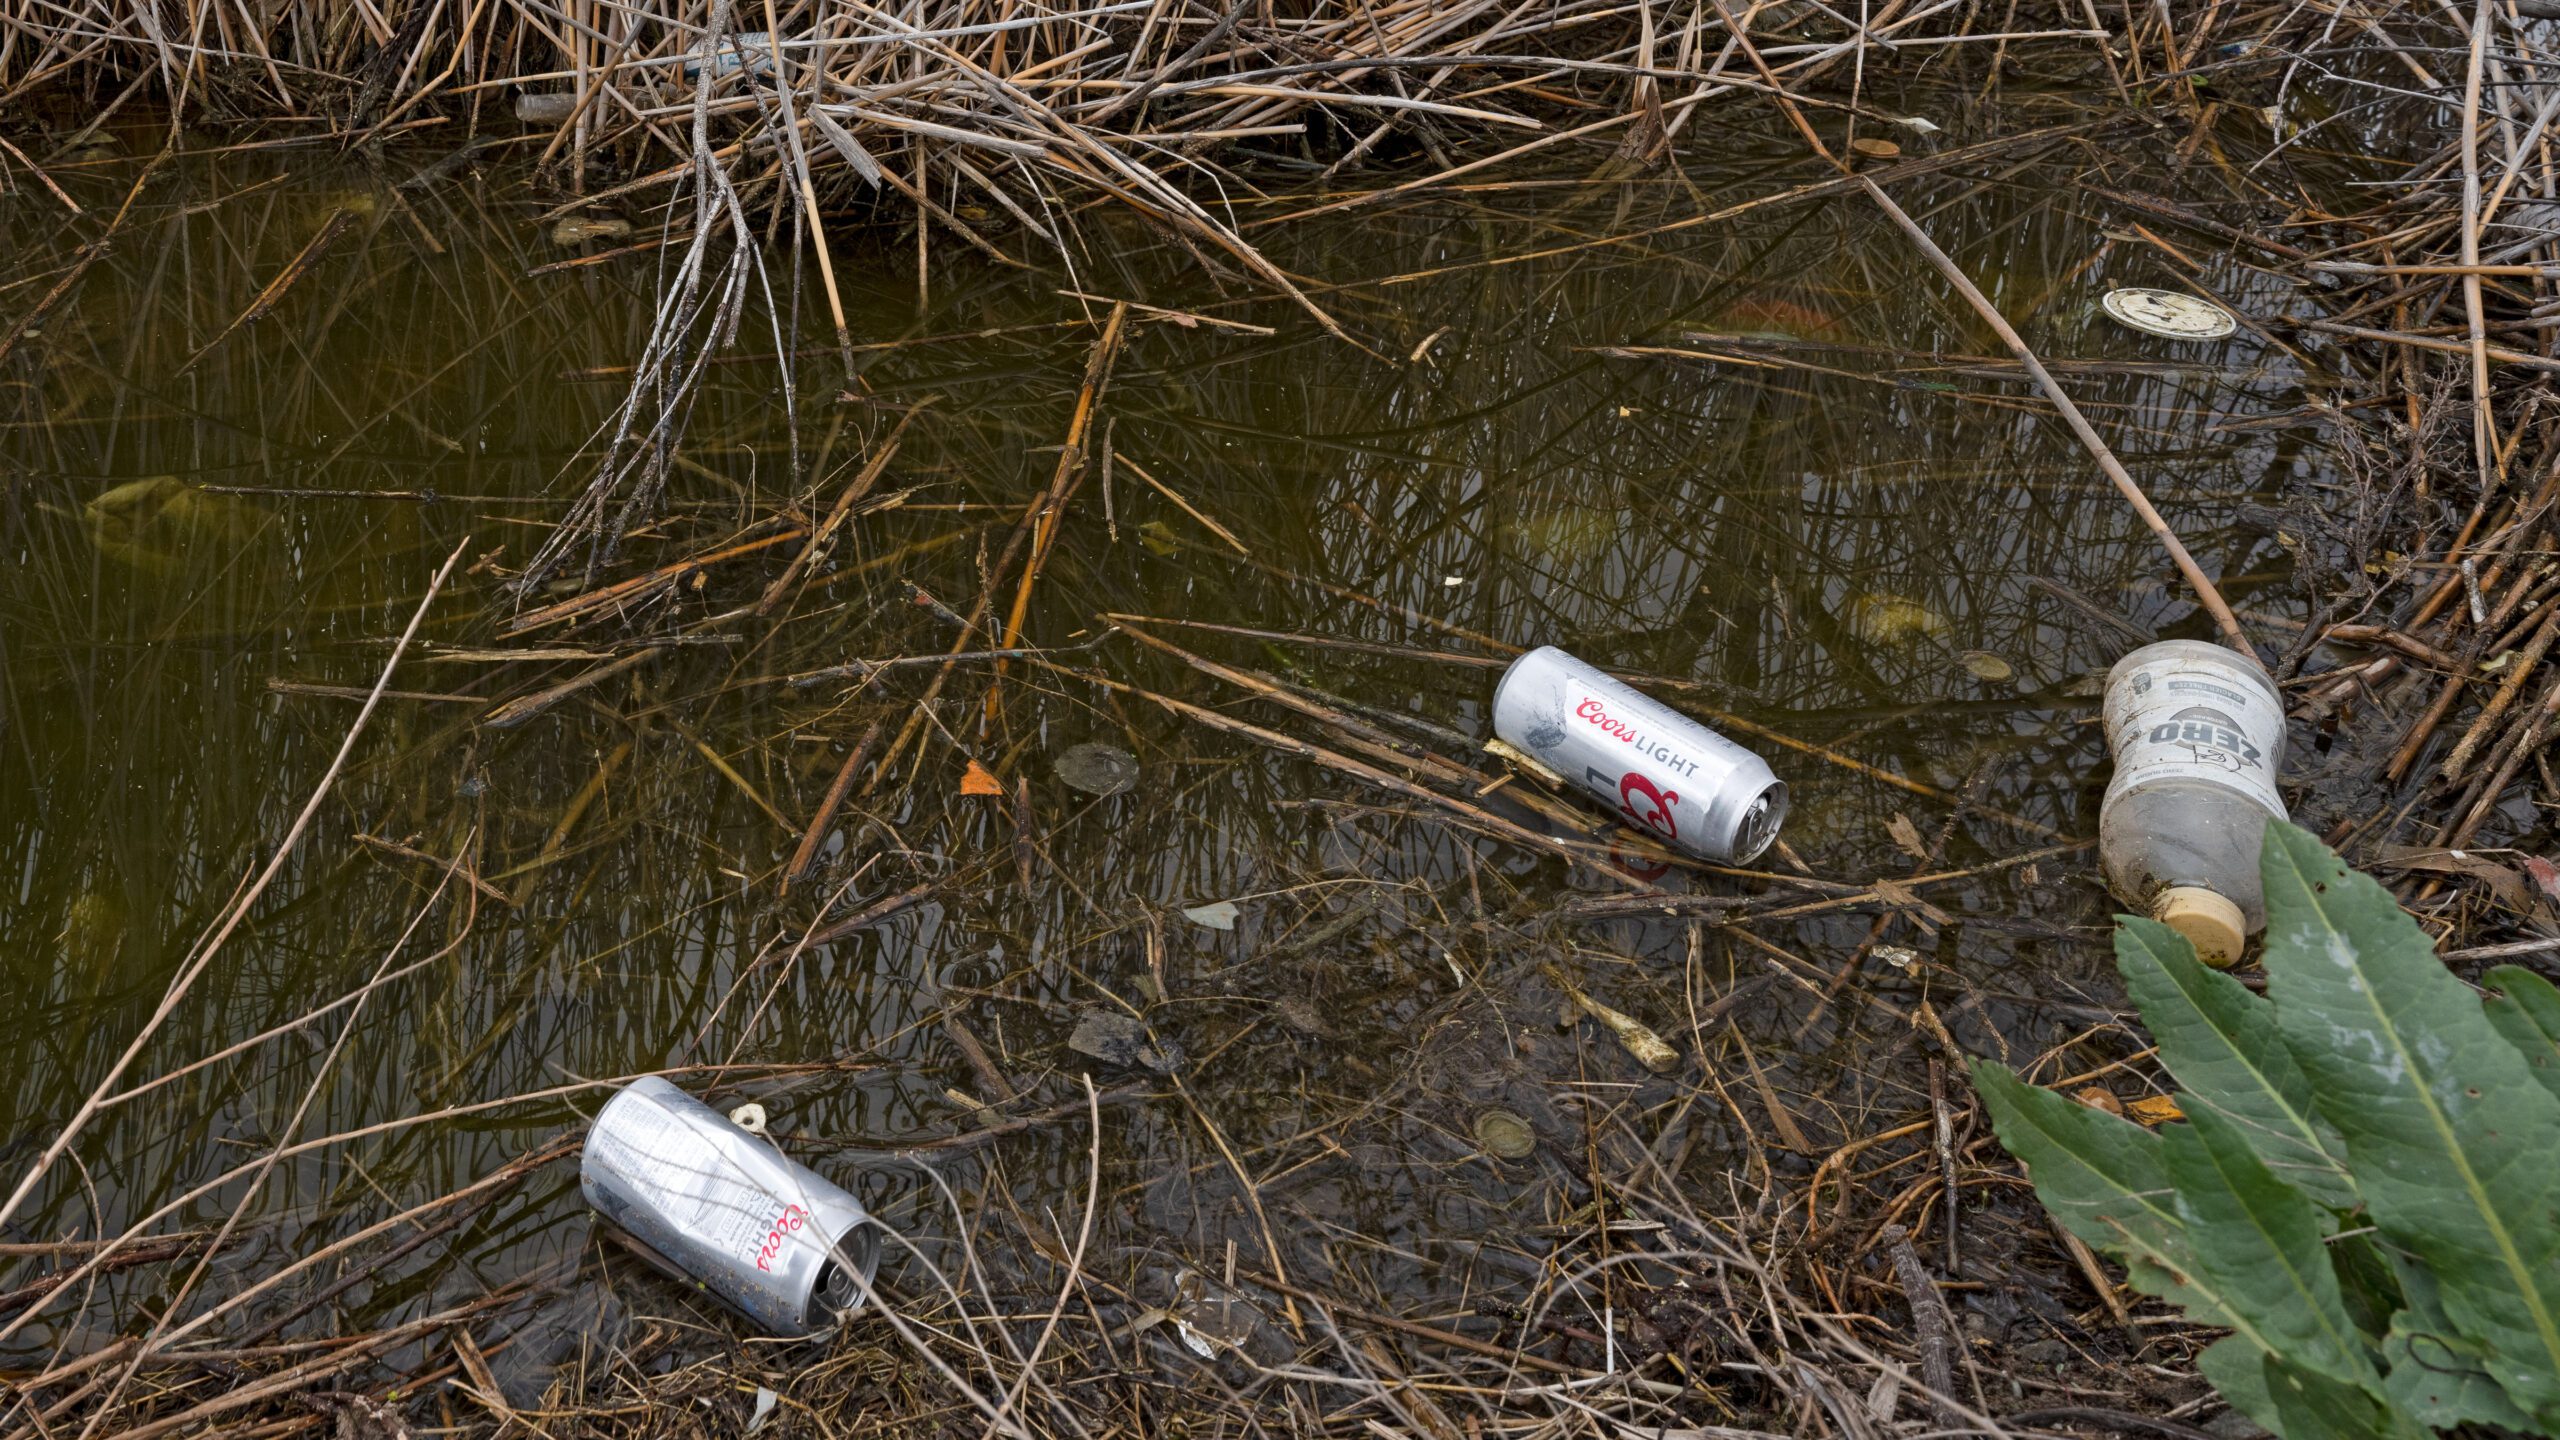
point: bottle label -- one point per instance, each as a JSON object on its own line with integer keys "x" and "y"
{"x": 2180, "y": 718}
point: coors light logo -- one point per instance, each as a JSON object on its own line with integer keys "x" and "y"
{"x": 1644, "y": 802}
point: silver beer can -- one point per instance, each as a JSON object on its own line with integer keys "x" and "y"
{"x": 1668, "y": 775}
{"x": 770, "y": 1237}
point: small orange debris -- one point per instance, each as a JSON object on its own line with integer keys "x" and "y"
{"x": 2155, "y": 1109}
{"x": 2097, "y": 1098}
{"x": 980, "y": 781}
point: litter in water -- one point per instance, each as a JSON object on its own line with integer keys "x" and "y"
{"x": 707, "y": 1201}
{"x": 2169, "y": 314}
{"x": 1122, "y": 1040}
{"x": 2197, "y": 731}
{"x": 1097, "y": 769}
{"x": 1504, "y": 1136}
{"x": 1667, "y": 774}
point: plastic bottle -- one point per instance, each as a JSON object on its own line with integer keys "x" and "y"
{"x": 2197, "y": 731}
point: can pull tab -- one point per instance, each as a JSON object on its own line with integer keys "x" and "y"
{"x": 1759, "y": 825}
{"x": 837, "y": 1289}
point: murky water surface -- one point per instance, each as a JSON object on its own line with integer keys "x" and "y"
{"x": 1858, "y": 530}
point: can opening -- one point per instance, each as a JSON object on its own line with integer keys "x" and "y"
{"x": 846, "y": 1277}
{"x": 1760, "y": 823}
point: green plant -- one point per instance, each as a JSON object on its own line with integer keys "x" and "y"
{"x": 2366, "y": 1189}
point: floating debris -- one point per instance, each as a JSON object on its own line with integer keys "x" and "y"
{"x": 1892, "y": 621}
{"x": 1666, "y": 773}
{"x": 2169, "y": 314}
{"x": 753, "y": 47}
{"x": 1098, "y": 769}
{"x": 774, "y": 1239}
{"x": 1217, "y": 914}
{"x": 1122, "y": 1040}
{"x": 164, "y": 524}
{"x": 579, "y": 229}
{"x": 1650, "y": 1049}
{"x": 1505, "y": 1136}
{"x": 1983, "y": 665}
{"x": 545, "y": 108}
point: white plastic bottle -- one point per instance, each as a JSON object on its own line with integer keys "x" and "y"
{"x": 2197, "y": 731}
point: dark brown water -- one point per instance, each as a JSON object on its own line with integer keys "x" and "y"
{"x": 1838, "y": 538}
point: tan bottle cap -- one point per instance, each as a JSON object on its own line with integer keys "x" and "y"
{"x": 2210, "y": 922}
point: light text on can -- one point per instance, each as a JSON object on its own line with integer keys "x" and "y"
{"x": 1664, "y": 773}
{"x": 770, "y": 1237}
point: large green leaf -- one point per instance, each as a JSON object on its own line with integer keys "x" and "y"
{"x": 2527, "y": 1012}
{"x": 2435, "y": 1374}
{"x": 2238, "y": 1368}
{"x": 2220, "y": 1042}
{"x": 2311, "y": 1406}
{"x": 2451, "y": 1140}
{"x": 2260, "y": 1244}
{"x": 2441, "y": 1385}
{"x": 2103, "y": 1178}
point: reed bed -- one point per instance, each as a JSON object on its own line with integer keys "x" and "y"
{"x": 773, "y": 633}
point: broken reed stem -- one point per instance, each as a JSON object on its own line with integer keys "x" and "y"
{"x": 1062, "y": 484}
{"x": 2206, "y": 594}
{"x": 2483, "y": 441}
{"x": 808, "y": 848}
{"x": 1934, "y": 1326}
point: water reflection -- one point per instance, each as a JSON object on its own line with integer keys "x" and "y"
{"x": 1811, "y": 518}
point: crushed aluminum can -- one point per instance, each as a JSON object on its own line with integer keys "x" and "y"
{"x": 711, "y": 1203}
{"x": 1670, "y": 776}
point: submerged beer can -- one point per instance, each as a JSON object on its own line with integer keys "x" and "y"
{"x": 772, "y": 1238}
{"x": 1667, "y": 774}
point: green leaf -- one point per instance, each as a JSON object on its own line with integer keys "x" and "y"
{"x": 2311, "y": 1406}
{"x": 2104, "y": 1179}
{"x": 2238, "y": 1368}
{"x": 2438, "y": 1380}
{"x": 2449, "y": 1137}
{"x": 2098, "y": 1174}
{"x": 2528, "y": 1014}
{"x": 2220, "y": 1042}
{"x": 2260, "y": 1244}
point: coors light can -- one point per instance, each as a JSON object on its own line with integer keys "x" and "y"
{"x": 1667, "y": 774}
{"x": 714, "y": 1204}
